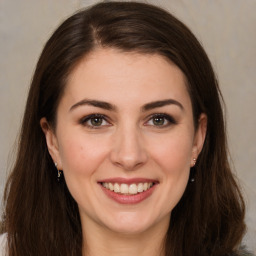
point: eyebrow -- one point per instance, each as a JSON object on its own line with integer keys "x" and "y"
{"x": 161, "y": 103}
{"x": 94, "y": 103}
{"x": 111, "y": 107}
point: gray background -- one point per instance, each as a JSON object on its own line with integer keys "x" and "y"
{"x": 226, "y": 28}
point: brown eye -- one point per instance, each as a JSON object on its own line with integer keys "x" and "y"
{"x": 96, "y": 121}
{"x": 158, "y": 120}
{"x": 161, "y": 120}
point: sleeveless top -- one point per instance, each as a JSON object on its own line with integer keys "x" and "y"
{"x": 3, "y": 241}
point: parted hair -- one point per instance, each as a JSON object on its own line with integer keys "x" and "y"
{"x": 42, "y": 218}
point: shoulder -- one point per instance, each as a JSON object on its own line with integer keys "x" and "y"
{"x": 3, "y": 244}
{"x": 243, "y": 252}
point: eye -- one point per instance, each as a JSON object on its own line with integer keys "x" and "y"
{"x": 161, "y": 120}
{"x": 95, "y": 121}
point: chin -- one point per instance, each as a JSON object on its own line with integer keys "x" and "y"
{"x": 134, "y": 229}
{"x": 131, "y": 223}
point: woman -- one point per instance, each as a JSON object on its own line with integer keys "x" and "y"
{"x": 123, "y": 146}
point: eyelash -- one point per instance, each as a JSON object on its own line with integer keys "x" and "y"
{"x": 84, "y": 121}
{"x": 168, "y": 120}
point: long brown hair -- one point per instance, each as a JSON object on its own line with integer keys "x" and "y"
{"x": 41, "y": 217}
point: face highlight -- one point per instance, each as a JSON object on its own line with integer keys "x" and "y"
{"x": 125, "y": 139}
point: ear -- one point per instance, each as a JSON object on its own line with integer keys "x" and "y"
{"x": 199, "y": 138}
{"x": 51, "y": 141}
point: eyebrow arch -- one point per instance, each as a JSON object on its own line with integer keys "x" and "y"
{"x": 94, "y": 103}
{"x": 161, "y": 103}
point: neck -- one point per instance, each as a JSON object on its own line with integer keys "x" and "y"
{"x": 104, "y": 242}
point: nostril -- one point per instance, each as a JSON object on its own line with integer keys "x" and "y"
{"x": 128, "y": 158}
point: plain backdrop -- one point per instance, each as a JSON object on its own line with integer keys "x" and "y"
{"x": 226, "y": 28}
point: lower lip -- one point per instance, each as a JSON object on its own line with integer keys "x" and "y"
{"x": 128, "y": 199}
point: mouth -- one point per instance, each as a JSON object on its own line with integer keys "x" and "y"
{"x": 130, "y": 191}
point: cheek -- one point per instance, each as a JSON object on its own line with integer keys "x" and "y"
{"x": 173, "y": 152}
{"x": 173, "y": 155}
{"x": 80, "y": 155}
{"x": 174, "y": 162}
{"x": 81, "y": 158}
{"x": 175, "y": 165}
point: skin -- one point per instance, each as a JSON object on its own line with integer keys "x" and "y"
{"x": 128, "y": 143}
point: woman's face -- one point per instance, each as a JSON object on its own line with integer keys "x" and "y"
{"x": 125, "y": 123}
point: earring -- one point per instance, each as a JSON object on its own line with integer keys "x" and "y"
{"x": 59, "y": 175}
{"x": 192, "y": 172}
{"x": 194, "y": 162}
{"x": 192, "y": 175}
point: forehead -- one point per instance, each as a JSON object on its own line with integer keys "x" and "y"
{"x": 113, "y": 75}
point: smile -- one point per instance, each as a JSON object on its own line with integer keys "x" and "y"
{"x": 127, "y": 189}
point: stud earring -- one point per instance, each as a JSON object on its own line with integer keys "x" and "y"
{"x": 194, "y": 162}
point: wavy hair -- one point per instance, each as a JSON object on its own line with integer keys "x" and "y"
{"x": 42, "y": 218}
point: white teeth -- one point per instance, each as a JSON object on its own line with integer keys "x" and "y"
{"x": 116, "y": 188}
{"x": 111, "y": 186}
{"x": 133, "y": 189}
{"x": 140, "y": 187}
{"x": 126, "y": 189}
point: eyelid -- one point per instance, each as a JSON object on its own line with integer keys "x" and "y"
{"x": 83, "y": 121}
{"x": 170, "y": 119}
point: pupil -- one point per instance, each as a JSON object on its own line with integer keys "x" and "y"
{"x": 97, "y": 121}
{"x": 158, "y": 120}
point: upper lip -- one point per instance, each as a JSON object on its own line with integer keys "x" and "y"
{"x": 121, "y": 180}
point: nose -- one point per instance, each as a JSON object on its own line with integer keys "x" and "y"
{"x": 128, "y": 150}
